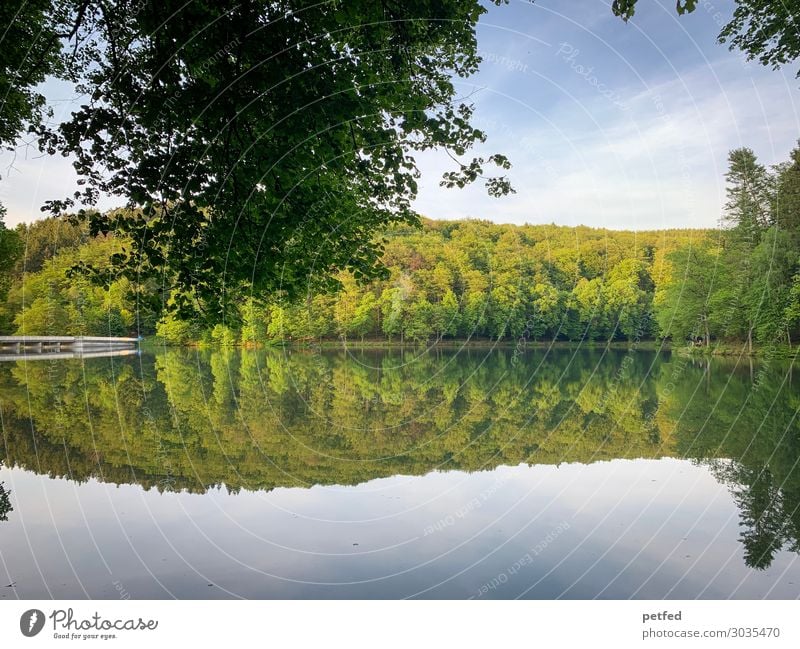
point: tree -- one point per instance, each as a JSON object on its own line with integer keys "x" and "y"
{"x": 30, "y": 54}
{"x": 684, "y": 305}
{"x": 259, "y": 142}
{"x": 223, "y": 336}
{"x": 344, "y": 310}
{"x": 44, "y": 316}
{"x": 592, "y": 310}
{"x": 394, "y": 309}
{"x": 763, "y": 29}
{"x": 446, "y": 316}
{"x": 5, "y": 503}
{"x": 176, "y": 332}
{"x": 44, "y": 239}
{"x": 747, "y": 209}
{"x": 59, "y": 300}
{"x": 10, "y": 252}
{"x": 254, "y": 322}
{"x": 419, "y": 325}
{"x": 365, "y": 315}
{"x": 787, "y": 196}
{"x": 475, "y": 319}
{"x": 628, "y": 292}
{"x": 791, "y": 314}
{"x": 769, "y": 294}
{"x": 505, "y": 317}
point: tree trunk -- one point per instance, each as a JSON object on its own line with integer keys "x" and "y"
{"x": 750, "y": 340}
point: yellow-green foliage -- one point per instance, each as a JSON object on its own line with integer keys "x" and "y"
{"x": 464, "y": 279}
{"x": 58, "y": 300}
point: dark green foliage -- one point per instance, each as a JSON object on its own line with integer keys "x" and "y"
{"x": 747, "y": 209}
{"x": 5, "y": 503}
{"x": 43, "y": 240}
{"x": 741, "y": 286}
{"x": 787, "y": 196}
{"x": 30, "y": 53}
{"x": 766, "y": 30}
{"x": 10, "y": 252}
{"x": 626, "y": 8}
{"x": 263, "y": 144}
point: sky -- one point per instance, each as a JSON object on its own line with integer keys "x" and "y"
{"x": 612, "y": 124}
{"x": 606, "y": 123}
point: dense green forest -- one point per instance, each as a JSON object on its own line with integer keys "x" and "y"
{"x": 737, "y": 285}
{"x": 240, "y": 190}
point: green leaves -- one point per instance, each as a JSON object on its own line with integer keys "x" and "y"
{"x": 625, "y": 9}
{"x": 765, "y": 30}
{"x": 261, "y": 145}
{"x": 469, "y": 173}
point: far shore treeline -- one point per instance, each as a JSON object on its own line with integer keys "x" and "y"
{"x": 737, "y": 286}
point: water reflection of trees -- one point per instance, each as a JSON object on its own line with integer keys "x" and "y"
{"x": 742, "y": 422}
{"x": 258, "y": 420}
{"x": 5, "y": 502}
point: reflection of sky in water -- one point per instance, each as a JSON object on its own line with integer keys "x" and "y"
{"x": 400, "y": 474}
{"x": 642, "y": 528}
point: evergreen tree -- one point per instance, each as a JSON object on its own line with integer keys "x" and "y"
{"x": 786, "y": 209}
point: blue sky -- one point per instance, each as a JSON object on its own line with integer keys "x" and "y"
{"x": 612, "y": 124}
{"x": 607, "y": 124}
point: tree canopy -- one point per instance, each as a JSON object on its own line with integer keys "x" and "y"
{"x": 738, "y": 285}
{"x": 10, "y": 252}
{"x": 767, "y": 30}
{"x": 259, "y": 145}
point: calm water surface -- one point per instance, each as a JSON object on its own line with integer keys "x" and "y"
{"x": 393, "y": 474}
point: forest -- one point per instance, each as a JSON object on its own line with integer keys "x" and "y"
{"x": 735, "y": 286}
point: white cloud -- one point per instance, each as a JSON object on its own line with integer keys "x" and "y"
{"x": 658, "y": 164}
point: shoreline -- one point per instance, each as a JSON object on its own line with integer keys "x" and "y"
{"x": 715, "y": 350}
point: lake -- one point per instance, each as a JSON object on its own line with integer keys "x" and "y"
{"x": 444, "y": 473}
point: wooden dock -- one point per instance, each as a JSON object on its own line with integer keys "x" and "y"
{"x": 19, "y": 346}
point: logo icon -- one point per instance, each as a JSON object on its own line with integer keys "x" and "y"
{"x": 31, "y": 622}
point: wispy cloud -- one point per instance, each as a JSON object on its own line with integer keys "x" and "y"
{"x": 607, "y": 124}
{"x": 658, "y": 162}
